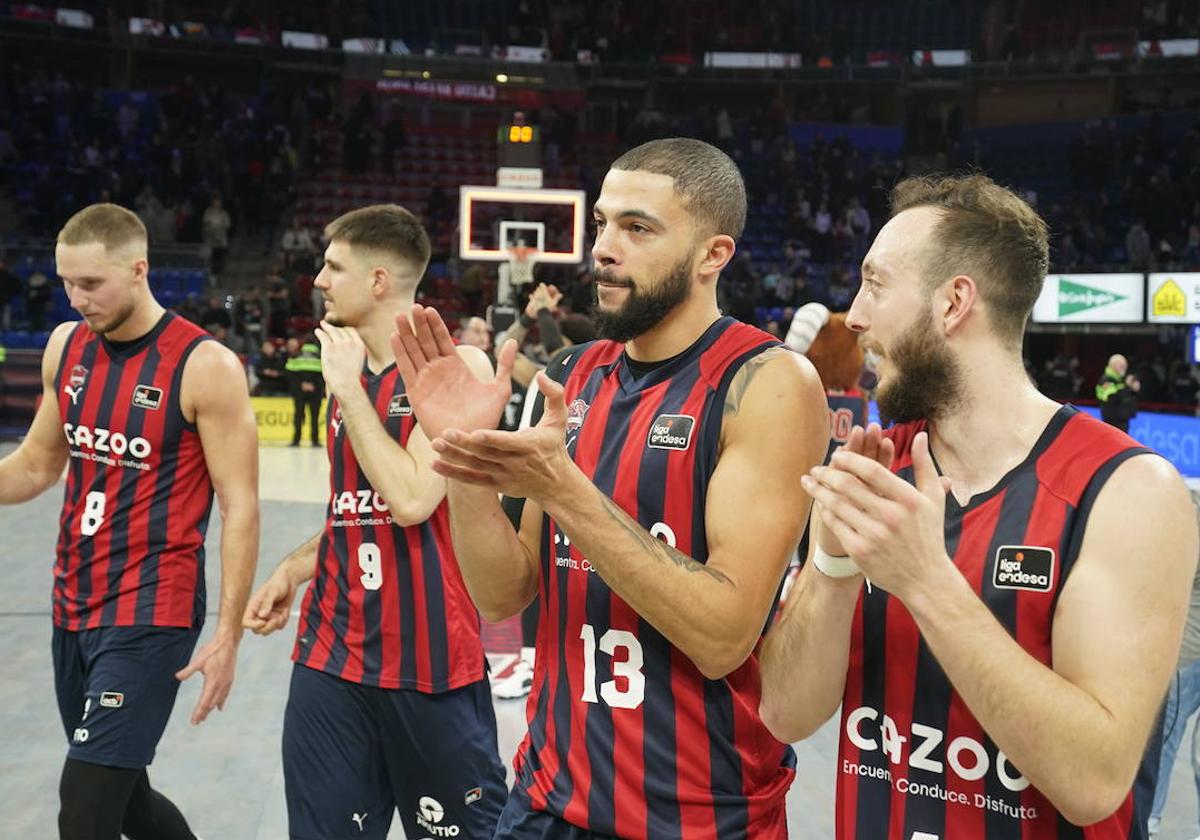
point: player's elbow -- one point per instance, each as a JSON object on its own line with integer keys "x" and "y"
{"x": 407, "y": 512}
{"x": 785, "y": 721}
{"x": 718, "y": 658}
{"x": 1091, "y": 808}
{"x": 494, "y": 613}
{"x": 406, "y": 516}
{"x": 1098, "y": 799}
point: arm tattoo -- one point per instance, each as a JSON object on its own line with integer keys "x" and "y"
{"x": 656, "y": 547}
{"x": 742, "y": 379}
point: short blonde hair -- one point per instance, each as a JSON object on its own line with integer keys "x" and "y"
{"x": 111, "y": 225}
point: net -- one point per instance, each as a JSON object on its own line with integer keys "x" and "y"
{"x": 521, "y": 261}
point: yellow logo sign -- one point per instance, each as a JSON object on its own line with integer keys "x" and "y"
{"x": 1169, "y": 300}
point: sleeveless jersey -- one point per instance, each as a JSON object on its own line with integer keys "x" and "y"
{"x": 913, "y": 761}
{"x": 626, "y": 736}
{"x": 138, "y": 494}
{"x": 387, "y": 606}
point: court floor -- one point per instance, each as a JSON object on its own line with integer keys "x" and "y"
{"x": 226, "y": 774}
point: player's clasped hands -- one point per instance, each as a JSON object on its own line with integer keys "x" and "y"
{"x": 892, "y": 530}
{"x": 460, "y": 413}
{"x": 531, "y": 463}
{"x": 442, "y": 390}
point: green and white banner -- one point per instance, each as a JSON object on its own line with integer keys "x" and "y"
{"x": 1091, "y": 299}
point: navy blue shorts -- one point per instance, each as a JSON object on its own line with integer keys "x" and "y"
{"x": 520, "y": 822}
{"x": 353, "y": 754}
{"x": 116, "y": 687}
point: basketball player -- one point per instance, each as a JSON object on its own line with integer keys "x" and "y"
{"x": 663, "y": 502}
{"x": 999, "y": 676}
{"x": 152, "y": 416}
{"x": 389, "y": 705}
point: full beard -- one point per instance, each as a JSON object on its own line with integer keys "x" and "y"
{"x": 926, "y": 381}
{"x": 643, "y": 310}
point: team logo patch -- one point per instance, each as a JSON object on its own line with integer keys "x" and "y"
{"x": 145, "y": 396}
{"x": 473, "y": 795}
{"x": 1023, "y": 567}
{"x": 112, "y": 699}
{"x": 399, "y": 406}
{"x": 576, "y": 411}
{"x": 671, "y": 431}
{"x": 75, "y": 380}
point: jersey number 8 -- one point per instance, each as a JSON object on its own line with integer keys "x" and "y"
{"x": 93, "y": 514}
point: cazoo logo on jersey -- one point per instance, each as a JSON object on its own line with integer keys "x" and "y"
{"x": 101, "y": 444}
{"x": 358, "y": 501}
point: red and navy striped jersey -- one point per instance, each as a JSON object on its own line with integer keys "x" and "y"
{"x": 847, "y": 409}
{"x": 138, "y": 493}
{"x": 626, "y": 736}
{"x": 913, "y": 761}
{"x": 387, "y": 606}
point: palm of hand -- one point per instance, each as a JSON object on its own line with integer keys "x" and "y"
{"x": 447, "y": 395}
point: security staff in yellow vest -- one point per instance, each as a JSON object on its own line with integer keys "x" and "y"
{"x": 1117, "y": 393}
{"x": 308, "y": 389}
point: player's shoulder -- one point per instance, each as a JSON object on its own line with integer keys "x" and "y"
{"x": 213, "y": 356}
{"x": 211, "y": 367}
{"x": 56, "y": 345}
{"x": 777, "y": 373}
{"x": 1078, "y": 452}
{"x": 582, "y": 357}
{"x": 61, "y": 334}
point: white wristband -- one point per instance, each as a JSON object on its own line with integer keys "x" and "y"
{"x": 835, "y": 567}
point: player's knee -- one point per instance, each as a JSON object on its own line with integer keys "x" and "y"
{"x": 92, "y": 800}
{"x": 78, "y": 802}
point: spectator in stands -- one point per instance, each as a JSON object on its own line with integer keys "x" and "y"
{"x": 822, "y": 230}
{"x": 298, "y": 246}
{"x": 1191, "y": 249}
{"x": 1057, "y": 380}
{"x": 215, "y": 315}
{"x": 307, "y": 385}
{"x": 1117, "y": 393}
{"x": 279, "y": 305}
{"x": 471, "y": 286}
{"x": 859, "y": 220}
{"x": 250, "y": 317}
{"x": 476, "y": 333}
{"x": 1181, "y": 382}
{"x": 216, "y": 233}
{"x": 10, "y": 289}
{"x": 271, "y": 370}
{"x": 37, "y": 300}
{"x": 1137, "y": 246}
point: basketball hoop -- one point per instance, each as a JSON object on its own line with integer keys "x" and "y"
{"x": 521, "y": 261}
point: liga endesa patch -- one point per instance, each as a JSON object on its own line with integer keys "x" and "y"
{"x": 1023, "y": 567}
{"x": 671, "y": 431}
